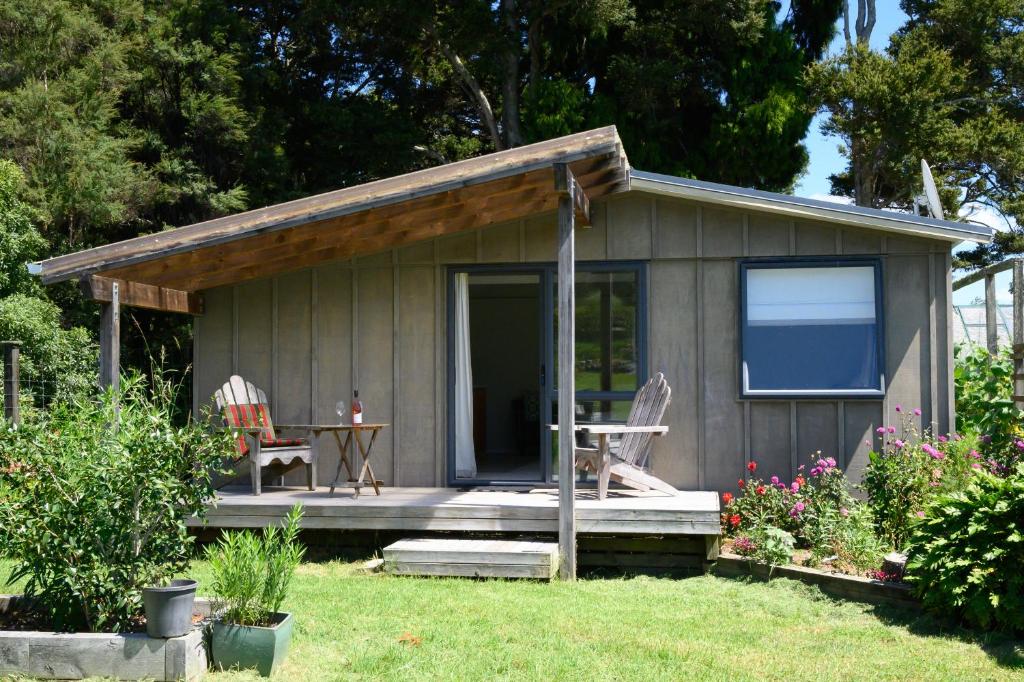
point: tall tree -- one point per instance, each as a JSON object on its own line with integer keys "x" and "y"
{"x": 948, "y": 89}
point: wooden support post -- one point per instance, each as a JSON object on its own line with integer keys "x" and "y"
{"x": 12, "y": 381}
{"x": 110, "y": 339}
{"x": 1018, "y": 332}
{"x": 991, "y": 314}
{"x": 565, "y": 186}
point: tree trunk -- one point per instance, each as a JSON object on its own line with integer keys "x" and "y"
{"x": 510, "y": 84}
{"x": 865, "y": 21}
{"x": 483, "y": 105}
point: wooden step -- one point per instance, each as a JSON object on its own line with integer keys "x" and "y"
{"x": 472, "y": 558}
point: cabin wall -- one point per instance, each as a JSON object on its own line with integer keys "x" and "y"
{"x": 378, "y": 324}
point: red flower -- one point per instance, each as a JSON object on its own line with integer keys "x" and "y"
{"x": 800, "y": 480}
{"x": 727, "y": 497}
{"x": 734, "y": 520}
{"x": 751, "y": 467}
{"x": 741, "y": 483}
{"x": 760, "y": 490}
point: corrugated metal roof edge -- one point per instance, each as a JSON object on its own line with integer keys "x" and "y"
{"x": 808, "y": 208}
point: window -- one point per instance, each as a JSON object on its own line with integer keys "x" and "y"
{"x": 811, "y": 328}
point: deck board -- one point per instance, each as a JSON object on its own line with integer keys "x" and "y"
{"x": 452, "y": 509}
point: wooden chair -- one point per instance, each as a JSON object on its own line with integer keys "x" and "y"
{"x": 626, "y": 466}
{"x": 246, "y": 412}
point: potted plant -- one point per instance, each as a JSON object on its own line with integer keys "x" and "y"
{"x": 169, "y": 608}
{"x": 251, "y": 574}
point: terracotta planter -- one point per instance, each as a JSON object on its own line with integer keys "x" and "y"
{"x": 250, "y": 646}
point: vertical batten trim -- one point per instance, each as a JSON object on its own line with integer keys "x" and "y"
{"x": 355, "y": 329}
{"x": 440, "y": 364}
{"x": 950, "y": 407}
{"x": 396, "y": 371}
{"x": 274, "y": 347}
{"x": 314, "y": 348}
{"x": 792, "y": 237}
{"x": 653, "y": 230}
{"x": 196, "y": 345}
{"x": 701, "y": 445}
{"x": 794, "y": 456}
{"x": 746, "y": 433}
{"x": 234, "y": 330}
{"x": 933, "y": 355}
{"x": 746, "y": 235}
{"x": 842, "y": 456}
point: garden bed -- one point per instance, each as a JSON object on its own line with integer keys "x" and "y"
{"x": 126, "y": 656}
{"x": 839, "y": 585}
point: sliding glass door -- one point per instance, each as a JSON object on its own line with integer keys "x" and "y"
{"x": 503, "y": 370}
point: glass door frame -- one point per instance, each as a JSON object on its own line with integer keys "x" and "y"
{"x": 548, "y": 393}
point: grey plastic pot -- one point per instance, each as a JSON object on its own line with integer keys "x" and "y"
{"x": 169, "y": 609}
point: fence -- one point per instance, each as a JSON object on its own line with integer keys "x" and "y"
{"x": 992, "y": 315}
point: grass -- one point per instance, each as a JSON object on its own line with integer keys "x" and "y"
{"x": 354, "y": 626}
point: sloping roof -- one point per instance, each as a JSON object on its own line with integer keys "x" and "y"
{"x": 362, "y": 219}
{"x": 812, "y": 209}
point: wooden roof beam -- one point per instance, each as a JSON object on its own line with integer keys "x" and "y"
{"x": 140, "y": 295}
{"x": 566, "y": 184}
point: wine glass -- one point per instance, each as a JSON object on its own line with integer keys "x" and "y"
{"x": 339, "y": 407}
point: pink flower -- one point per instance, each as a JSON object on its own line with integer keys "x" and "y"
{"x": 843, "y": 511}
{"x": 775, "y": 480}
{"x": 797, "y": 508}
{"x": 943, "y": 439}
{"x": 899, "y": 443}
{"x": 880, "y": 430}
{"x": 975, "y": 465}
{"x": 917, "y": 411}
{"x": 831, "y": 461}
{"x": 795, "y": 487}
{"x": 935, "y": 454}
{"x": 920, "y": 514}
{"x": 974, "y": 454}
{"x": 899, "y": 408}
{"x": 892, "y": 429}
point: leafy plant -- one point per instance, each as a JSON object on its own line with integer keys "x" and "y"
{"x": 767, "y": 545}
{"x": 94, "y": 496}
{"x": 911, "y": 467}
{"x": 252, "y": 572}
{"x": 965, "y": 556}
{"x": 984, "y": 401}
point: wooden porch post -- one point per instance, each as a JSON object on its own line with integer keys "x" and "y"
{"x": 1018, "y": 333}
{"x": 991, "y": 314}
{"x": 110, "y": 339}
{"x": 566, "y": 373}
{"x": 12, "y": 382}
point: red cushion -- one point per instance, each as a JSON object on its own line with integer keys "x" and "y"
{"x": 248, "y": 416}
{"x": 281, "y": 442}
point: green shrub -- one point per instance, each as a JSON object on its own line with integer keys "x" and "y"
{"x": 767, "y": 545}
{"x": 910, "y": 468}
{"x": 965, "y": 556}
{"x": 94, "y": 496}
{"x": 251, "y": 572}
{"x": 984, "y": 401}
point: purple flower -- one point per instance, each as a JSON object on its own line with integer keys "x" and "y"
{"x": 899, "y": 408}
{"x": 943, "y": 439}
{"x": 880, "y": 430}
{"x": 816, "y": 471}
{"x": 986, "y": 439}
{"x": 917, "y": 411}
{"x": 892, "y": 429}
{"x": 775, "y": 480}
{"x": 899, "y": 444}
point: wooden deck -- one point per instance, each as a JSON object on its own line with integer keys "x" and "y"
{"x": 484, "y": 511}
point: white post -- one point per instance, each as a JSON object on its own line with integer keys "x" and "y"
{"x": 566, "y": 373}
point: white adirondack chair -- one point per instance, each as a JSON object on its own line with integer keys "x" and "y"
{"x": 626, "y": 465}
{"x": 246, "y": 412}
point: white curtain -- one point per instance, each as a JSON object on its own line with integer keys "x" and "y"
{"x": 465, "y": 453}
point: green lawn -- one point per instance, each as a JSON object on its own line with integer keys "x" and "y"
{"x": 351, "y": 626}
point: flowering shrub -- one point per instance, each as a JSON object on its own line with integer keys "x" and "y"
{"x": 911, "y": 467}
{"x": 965, "y": 556}
{"x": 770, "y": 545}
{"x": 816, "y": 508}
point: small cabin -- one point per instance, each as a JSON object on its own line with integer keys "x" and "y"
{"x": 784, "y": 326}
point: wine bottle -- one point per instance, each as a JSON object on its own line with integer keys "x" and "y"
{"x": 357, "y": 409}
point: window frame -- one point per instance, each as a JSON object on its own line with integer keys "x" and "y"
{"x": 800, "y": 262}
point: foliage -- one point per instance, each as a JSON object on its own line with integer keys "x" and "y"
{"x": 817, "y": 509}
{"x": 941, "y": 92}
{"x": 20, "y": 242}
{"x": 965, "y": 555}
{"x": 767, "y": 545}
{"x": 984, "y": 401}
{"x": 911, "y": 467}
{"x": 94, "y": 496}
{"x": 251, "y": 573}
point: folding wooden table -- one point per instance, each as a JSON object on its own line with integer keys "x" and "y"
{"x": 346, "y": 453}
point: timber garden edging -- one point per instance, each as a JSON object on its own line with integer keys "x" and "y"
{"x": 125, "y": 656}
{"x": 837, "y": 585}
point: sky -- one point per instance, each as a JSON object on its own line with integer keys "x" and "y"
{"x": 825, "y": 158}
